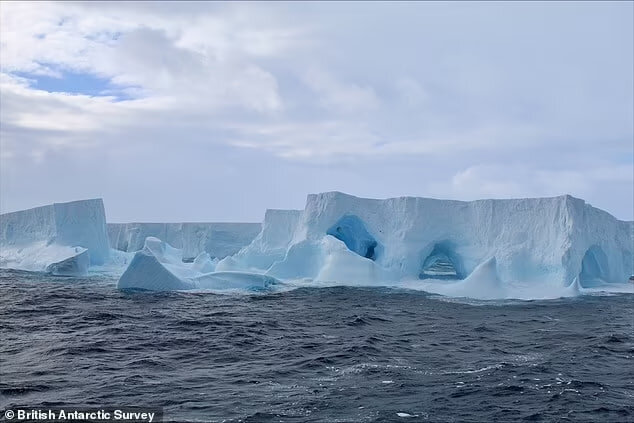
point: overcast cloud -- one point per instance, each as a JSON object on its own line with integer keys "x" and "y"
{"x": 215, "y": 112}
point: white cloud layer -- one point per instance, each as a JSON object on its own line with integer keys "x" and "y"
{"x": 206, "y": 100}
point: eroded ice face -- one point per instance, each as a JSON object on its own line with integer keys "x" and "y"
{"x": 62, "y": 238}
{"x": 481, "y": 249}
{"x": 486, "y": 249}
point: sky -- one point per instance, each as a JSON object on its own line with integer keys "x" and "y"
{"x": 177, "y": 111}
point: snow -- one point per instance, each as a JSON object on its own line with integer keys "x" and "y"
{"x": 218, "y": 239}
{"x": 160, "y": 267}
{"x": 61, "y": 238}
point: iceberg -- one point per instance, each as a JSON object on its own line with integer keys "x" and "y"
{"x": 482, "y": 283}
{"x": 489, "y": 249}
{"x": 160, "y": 267}
{"x": 50, "y": 258}
{"x": 479, "y": 249}
{"x": 74, "y": 265}
{"x": 269, "y": 246}
{"x": 61, "y": 238}
{"x": 219, "y": 240}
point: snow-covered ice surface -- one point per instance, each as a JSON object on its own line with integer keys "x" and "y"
{"x": 61, "y": 238}
{"x": 219, "y": 240}
{"x": 486, "y": 249}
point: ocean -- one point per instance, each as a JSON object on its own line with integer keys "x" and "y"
{"x": 335, "y": 354}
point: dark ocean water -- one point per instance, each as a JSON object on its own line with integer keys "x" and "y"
{"x": 314, "y": 355}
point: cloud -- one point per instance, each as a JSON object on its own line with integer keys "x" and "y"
{"x": 340, "y": 96}
{"x": 505, "y": 181}
{"x": 306, "y": 141}
{"x": 411, "y": 91}
{"x": 162, "y": 56}
{"x": 407, "y": 98}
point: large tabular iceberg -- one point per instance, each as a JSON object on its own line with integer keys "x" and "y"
{"x": 482, "y": 249}
{"x": 543, "y": 242}
{"x": 524, "y": 248}
{"x": 219, "y": 240}
{"x": 61, "y": 238}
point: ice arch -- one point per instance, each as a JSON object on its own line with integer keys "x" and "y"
{"x": 442, "y": 263}
{"x": 351, "y": 230}
{"x": 594, "y": 267}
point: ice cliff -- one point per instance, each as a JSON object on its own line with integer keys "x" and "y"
{"x": 482, "y": 249}
{"x": 525, "y": 248}
{"x": 219, "y": 240}
{"x": 61, "y": 238}
{"x": 339, "y": 237}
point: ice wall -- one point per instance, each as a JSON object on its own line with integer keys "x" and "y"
{"x": 41, "y": 235}
{"x": 270, "y": 245}
{"x": 217, "y": 239}
{"x": 537, "y": 240}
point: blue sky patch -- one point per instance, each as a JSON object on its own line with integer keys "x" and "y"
{"x": 77, "y": 83}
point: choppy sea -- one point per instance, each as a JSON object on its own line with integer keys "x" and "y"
{"x": 315, "y": 354}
